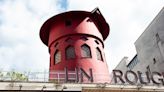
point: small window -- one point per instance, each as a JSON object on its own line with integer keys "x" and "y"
{"x": 68, "y": 23}
{"x": 70, "y": 52}
{"x": 69, "y": 40}
{"x": 89, "y": 20}
{"x": 96, "y": 42}
{"x": 99, "y": 55}
{"x": 57, "y": 57}
{"x": 154, "y": 61}
{"x": 84, "y": 38}
{"x": 85, "y": 51}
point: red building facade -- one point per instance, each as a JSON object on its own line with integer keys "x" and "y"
{"x": 75, "y": 41}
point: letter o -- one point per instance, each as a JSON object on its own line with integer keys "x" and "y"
{"x": 135, "y": 77}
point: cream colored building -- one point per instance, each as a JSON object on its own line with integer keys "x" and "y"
{"x": 52, "y": 87}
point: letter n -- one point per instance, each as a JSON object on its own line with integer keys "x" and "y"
{"x": 82, "y": 72}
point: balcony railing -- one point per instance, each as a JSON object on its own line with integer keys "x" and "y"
{"x": 57, "y": 77}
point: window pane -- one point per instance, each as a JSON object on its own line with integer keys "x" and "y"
{"x": 84, "y": 38}
{"x": 57, "y": 57}
{"x": 69, "y": 40}
{"x": 98, "y": 52}
{"x": 85, "y": 51}
{"x": 70, "y": 52}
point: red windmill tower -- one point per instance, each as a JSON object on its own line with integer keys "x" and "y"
{"x": 75, "y": 41}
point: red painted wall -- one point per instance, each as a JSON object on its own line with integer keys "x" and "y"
{"x": 55, "y": 32}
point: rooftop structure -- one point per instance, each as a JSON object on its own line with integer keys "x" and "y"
{"x": 75, "y": 42}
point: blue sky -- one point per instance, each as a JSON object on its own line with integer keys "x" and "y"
{"x": 20, "y": 20}
{"x": 64, "y": 4}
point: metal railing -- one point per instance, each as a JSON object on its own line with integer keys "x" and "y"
{"x": 57, "y": 76}
{"x": 60, "y": 77}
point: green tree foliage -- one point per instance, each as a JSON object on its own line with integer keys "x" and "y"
{"x": 16, "y": 76}
{"x": 13, "y": 76}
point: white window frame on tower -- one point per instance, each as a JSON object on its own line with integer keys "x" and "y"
{"x": 99, "y": 54}
{"x": 85, "y": 51}
{"x": 57, "y": 57}
{"x": 70, "y": 52}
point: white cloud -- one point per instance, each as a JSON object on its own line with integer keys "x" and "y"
{"x": 20, "y": 22}
{"x": 20, "y": 45}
